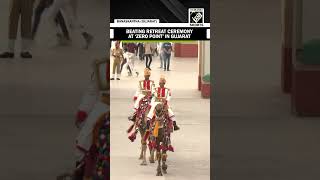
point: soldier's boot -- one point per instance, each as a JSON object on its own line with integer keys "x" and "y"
{"x": 88, "y": 38}
{"x": 175, "y": 126}
{"x": 132, "y": 118}
{"x": 7, "y": 55}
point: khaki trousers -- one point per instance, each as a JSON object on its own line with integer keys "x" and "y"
{"x": 23, "y": 9}
{"x": 116, "y": 65}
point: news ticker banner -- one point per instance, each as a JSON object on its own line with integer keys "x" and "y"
{"x": 150, "y": 33}
{"x": 152, "y": 29}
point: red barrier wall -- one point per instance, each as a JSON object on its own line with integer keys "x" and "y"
{"x": 305, "y": 94}
{"x": 185, "y": 50}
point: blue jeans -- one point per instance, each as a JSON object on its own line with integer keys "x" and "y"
{"x": 161, "y": 60}
{"x": 166, "y": 60}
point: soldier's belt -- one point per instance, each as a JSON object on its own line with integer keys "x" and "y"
{"x": 145, "y": 92}
{"x": 159, "y": 99}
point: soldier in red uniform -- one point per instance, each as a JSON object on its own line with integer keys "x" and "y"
{"x": 146, "y": 87}
{"x": 162, "y": 94}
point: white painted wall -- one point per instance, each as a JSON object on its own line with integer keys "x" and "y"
{"x": 206, "y": 67}
{"x": 204, "y": 57}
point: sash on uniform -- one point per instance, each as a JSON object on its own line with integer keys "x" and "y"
{"x": 146, "y": 85}
{"x": 156, "y": 129}
{"x": 161, "y": 92}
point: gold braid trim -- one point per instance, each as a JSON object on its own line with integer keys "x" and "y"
{"x": 96, "y": 128}
{"x": 156, "y": 129}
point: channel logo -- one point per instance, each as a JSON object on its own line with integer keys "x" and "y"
{"x": 196, "y": 16}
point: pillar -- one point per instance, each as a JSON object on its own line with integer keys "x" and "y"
{"x": 200, "y": 62}
{"x": 305, "y": 96}
{"x": 286, "y": 60}
{"x": 204, "y": 61}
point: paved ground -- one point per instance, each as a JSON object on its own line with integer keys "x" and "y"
{"x": 256, "y": 137}
{"x": 191, "y": 160}
{"x": 39, "y": 97}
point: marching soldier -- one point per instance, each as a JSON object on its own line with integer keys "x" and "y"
{"x": 162, "y": 94}
{"x": 69, "y": 8}
{"x": 146, "y": 87}
{"x": 130, "y": 56}
{"x": 118, "y": 57}
{"x": 23, "y": 9}
{"x": 59, "y": 19}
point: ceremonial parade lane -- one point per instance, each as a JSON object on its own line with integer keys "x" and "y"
{"x": 191, "y": 159}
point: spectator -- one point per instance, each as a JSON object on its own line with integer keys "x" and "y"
{"x": 154, "y": 49}
{"x": 148, "y": 54}
{"x": 141, "y": 51}
{"x": 166, "y": 55}
{"x": 130, "y": 56}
